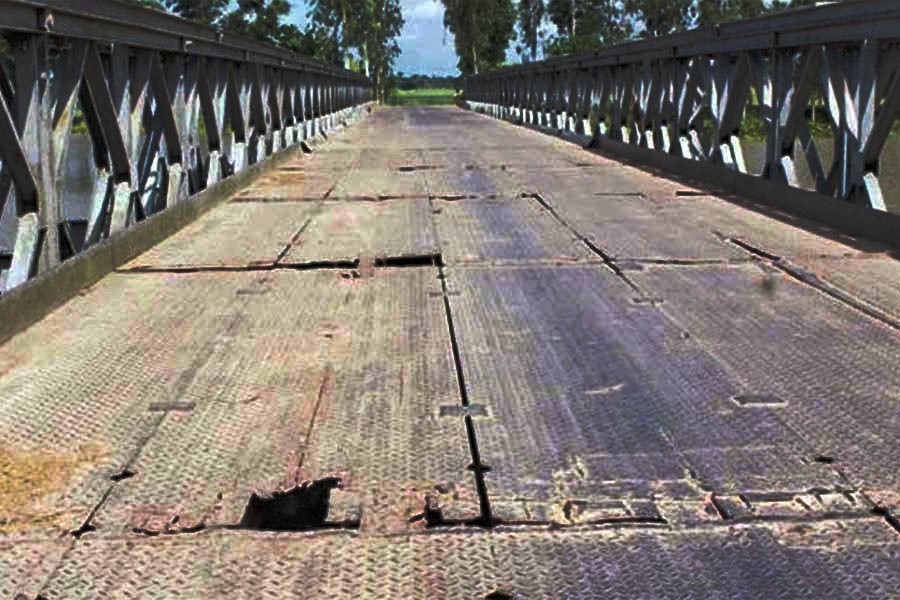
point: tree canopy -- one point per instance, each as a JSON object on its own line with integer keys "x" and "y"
{"x": 567, "y": 26}
{"x": 482, "y": 31}
{"x": 359, "y": 34}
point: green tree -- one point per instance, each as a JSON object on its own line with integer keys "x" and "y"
{"x": 316, "y": 42}
{"x": 587, "y": 25}
{"x": 714, "y": 12}
{"x": 482, "y": 31}
{"x": 368, "y": 27}
{"x": 782, "y": 5}
{"x": 210, "y": 12}
{"x": 660, "y": 17}
{"x": 378, "y": 43}
{"x": 345, "y": 19}
{"x": 531, "y": 17}
{"x": 262, "y": 19}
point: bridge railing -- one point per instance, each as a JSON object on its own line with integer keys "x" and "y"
{"x": 687, "y": 102}
{"x": 110, "y": 113}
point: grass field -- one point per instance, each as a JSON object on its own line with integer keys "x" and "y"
{"x": 431, "y": 97}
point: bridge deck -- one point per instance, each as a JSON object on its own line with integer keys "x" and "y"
{"x": 445, "y": 322}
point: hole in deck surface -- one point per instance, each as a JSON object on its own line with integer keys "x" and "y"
{"x": 825, "y": 460}
{"x": 302, "y": 508}
{"x": 86, "y": 528}
{"x": 410, "y": 260}
{"x": 413, "y": 168}
{"x": 759, "y": 400}
{"x": 123, "y": 474}
{"x": 499, "y": 595}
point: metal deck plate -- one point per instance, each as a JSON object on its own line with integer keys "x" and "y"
{"x": 874, "y": 280}
{"x": 346, "y": 231}
{"x": 774, "y": 562}
{"x": 233, "y": 235}
{"x": 593, "y": 395}
{"x": 506, "y": 229}
{"x": 768, "y": 329}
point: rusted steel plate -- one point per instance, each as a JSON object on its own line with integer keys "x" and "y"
{"x": 505, "y": 229}
{"x": 592, "y": 392}
{"x": 834, "y": 368}
{"x": 233, "y": 235}
{"x": 388, "y": 427}
{"x": 76, "y": 389}
{"x": 852, "y": 561}
{"x": 346, "y": 231}
{"x": 348, "y": 383}
{"x": 301, "y": 179}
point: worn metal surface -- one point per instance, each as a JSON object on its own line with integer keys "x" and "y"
{"x": 537, "y": 394}
{"x": 593, "y": 395}
{"x": 170, "y": 108}
{"x": 685, "y": 97}
{"x": 507, "y": 230}
{"x": 365, "y": 230}
{"x": 776, "y": 562}
{"x": 840, "y": 396}
{"x": 233, "y": 235}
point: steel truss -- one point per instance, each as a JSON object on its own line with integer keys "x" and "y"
{"x": 170, "y": 107}
{"x": 687, "y": 94}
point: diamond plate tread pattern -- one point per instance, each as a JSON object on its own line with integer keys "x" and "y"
{"x": 375, "y": 182}
{"x": 280, "y": 369}
{"x": 767, "y": 330}
{"x": 261, "y": 374}
{"x": 469, "y": 178}
{"x": 77, "y": 389}
{"x": 512, "y": 155}
{"x": 632, "y": 226}
{"x": 591, "y": 395}
{"x": 311, "y": 176}
{"x": 626, "y": 213}
{"x": 505, "y": 229}
{"x": 352, "y": 230}
{"x": 784, "y": 236}
{"x": 873, "y": 280}
{"x": 230, "y": 235}
{"x": 26, "y": 566}
{"x": 560, "y": 183}
{"x": 383, "y": 431}
{"x": 771, "y": 562}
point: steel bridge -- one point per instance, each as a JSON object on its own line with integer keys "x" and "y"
{"x": 263, "y": 338}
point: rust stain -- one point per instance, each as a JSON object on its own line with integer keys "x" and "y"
{"x": 26, "y": 478}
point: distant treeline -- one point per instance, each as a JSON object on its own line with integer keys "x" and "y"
{"x": 427, "y": 82}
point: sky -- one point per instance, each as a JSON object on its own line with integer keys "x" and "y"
{"x": 425, "y": 47}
